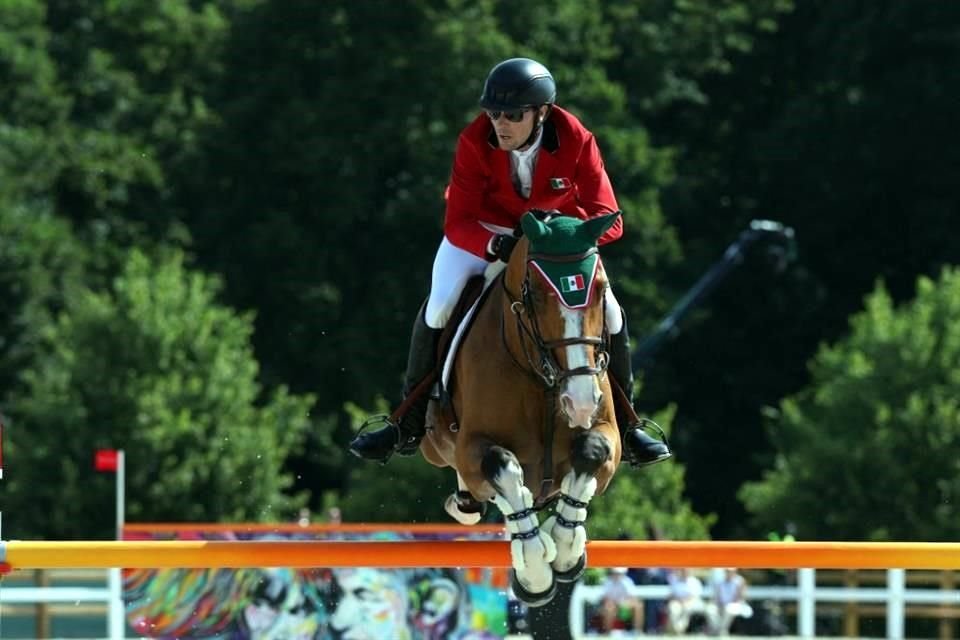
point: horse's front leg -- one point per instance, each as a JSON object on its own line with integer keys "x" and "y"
{"x": 590, "y": 452}
{"x": 531, "y": 550}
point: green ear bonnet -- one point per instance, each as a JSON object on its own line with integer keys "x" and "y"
{"x": 563, "y": 250}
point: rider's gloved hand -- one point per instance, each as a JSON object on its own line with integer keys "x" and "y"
{"x": 501, "y": 246}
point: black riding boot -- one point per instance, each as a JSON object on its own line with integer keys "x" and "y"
{"x": 639, "y": 449}
{"x": 404, "y": 436}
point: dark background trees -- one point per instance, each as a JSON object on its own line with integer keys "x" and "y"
{"x": 836, "y": 126}
{"x": 296, "y": 154}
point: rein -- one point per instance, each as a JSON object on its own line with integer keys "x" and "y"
{"x": 541, "y": 361}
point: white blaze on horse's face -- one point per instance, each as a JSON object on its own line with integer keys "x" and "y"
{"x": 580, "y": 397}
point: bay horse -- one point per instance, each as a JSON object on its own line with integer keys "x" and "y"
{"x": 532, "y": 407}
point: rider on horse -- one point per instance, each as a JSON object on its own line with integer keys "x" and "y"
{"x": 523, "y": 153}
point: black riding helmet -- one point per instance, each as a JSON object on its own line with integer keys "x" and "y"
{"x": 517, "y": 83}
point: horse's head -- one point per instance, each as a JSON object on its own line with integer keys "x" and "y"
{"x": 557, "y": 287}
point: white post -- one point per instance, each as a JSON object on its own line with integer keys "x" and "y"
{"x": 896, "y": 602}
{"x": 806, "y": 603}
{"x": 116, "y": 621}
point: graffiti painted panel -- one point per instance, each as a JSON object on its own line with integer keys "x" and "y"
{"x": 314, "y": 604}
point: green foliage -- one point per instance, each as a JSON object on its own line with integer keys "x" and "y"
{"x": 848, "y": 463}
{"x": 647, "y": 503}
{"x": 114, "y": 94}
{"x": 32, "y": 107}
{"x": 39, "y": 257}
{"x": 834, "y": 124}
{"x": 670, "y": 48}
{"x": 300, "y": 152}
{"x": 156, "y": 367}
{"x": 134, "y": 116}
{"x": 404, "y": 490}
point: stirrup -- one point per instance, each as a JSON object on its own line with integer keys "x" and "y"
{"x": 376, "y": 420}
{"x": 380, "y": 420}
{"x": 404, "y": 443}
{"x": 647, "y": 423}
{"x": 642, "y": 424}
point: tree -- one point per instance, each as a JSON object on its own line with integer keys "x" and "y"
{"x": 32, "y": 106}
{"x": 39, "y": 257}
{"x": 405, "y": 490}
{"x": 649, "y": 501}
{"x": 834, "y": 124}
{"x": 152, "y": 365}
{"x": 848, "y": 445}
{"x": 100, "y": 101}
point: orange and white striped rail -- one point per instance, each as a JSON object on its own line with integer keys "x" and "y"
{"x": 188, "y": 554}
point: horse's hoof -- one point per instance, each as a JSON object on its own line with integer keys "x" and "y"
{"x": 532, "y": 599}
{"x": 463, "y": 513}
{"x": 573, "y": 573}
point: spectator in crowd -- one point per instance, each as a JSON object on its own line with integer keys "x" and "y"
{"x": 618, "y": 601}
{"x": 654, "y": 609}
{"x": 303, "y": 517}
{"x": 334, "y": 516}
{"x": 685, "y": 601}
{"x": 729, "y": 602}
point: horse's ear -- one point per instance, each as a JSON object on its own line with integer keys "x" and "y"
{"x": 596, "y": 227}
{"x": 533, "y": 228}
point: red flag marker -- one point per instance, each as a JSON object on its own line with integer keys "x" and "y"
{"x": 105, "y": 460}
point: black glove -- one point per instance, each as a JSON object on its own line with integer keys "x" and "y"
{"x": 502, "y": 246}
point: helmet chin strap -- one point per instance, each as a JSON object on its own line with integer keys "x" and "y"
{"x": 536, "y": 128}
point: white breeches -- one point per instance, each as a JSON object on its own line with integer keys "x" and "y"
{"x": 452, "y": 267}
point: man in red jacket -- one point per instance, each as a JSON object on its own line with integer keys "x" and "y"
{"x": 523, "y": 153}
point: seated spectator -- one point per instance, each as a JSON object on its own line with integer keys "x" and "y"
{"x": 654, "y": 609}
{"x": 685, "y": 601}
{"x": 729, "y": 602}
{"x": 618, "y": 601}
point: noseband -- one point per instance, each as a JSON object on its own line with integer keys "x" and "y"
{"x": 541, "y": 358}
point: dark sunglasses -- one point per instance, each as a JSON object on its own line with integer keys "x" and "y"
{"x": 514, "y": 115}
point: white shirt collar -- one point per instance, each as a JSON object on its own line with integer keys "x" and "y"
{"x": 522, "y": 163}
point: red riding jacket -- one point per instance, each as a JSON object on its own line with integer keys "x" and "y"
{"x": 568, "y": 176}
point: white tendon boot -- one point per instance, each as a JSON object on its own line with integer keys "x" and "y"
{"x": 531, "y": 550}
{"x": 565, "y": 525}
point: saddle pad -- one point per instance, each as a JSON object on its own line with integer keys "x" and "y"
{"x": 489, "y": 276}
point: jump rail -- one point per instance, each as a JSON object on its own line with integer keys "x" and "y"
{"x": 288, "y": 527}
{"x": 471, "y": 554}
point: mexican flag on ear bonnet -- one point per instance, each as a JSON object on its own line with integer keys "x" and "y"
{"x": 563, "y": 252}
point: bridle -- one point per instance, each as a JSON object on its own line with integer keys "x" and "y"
{"x": 541, "y": 361}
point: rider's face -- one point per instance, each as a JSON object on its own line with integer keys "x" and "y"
{"x": 513, "y": 135}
